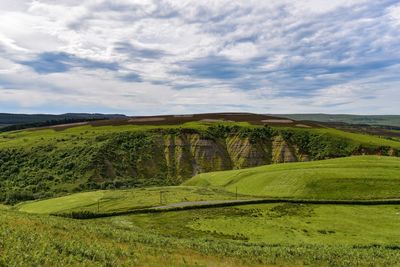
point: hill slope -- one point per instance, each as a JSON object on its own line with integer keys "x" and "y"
{"x": 361, "y": 177}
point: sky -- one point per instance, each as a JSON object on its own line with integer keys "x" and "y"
{"x": 144, "y": 57}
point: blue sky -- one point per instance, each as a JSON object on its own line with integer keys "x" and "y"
{"x": 159, "y": 57}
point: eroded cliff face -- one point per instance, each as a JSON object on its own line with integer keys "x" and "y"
{"x": 283, "y": 152}
{"x": 184, "y": 156}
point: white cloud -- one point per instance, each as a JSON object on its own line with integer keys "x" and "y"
{"x": 241, "y": 51}
{"x": 394, "y": 14}
{"x": 262, "y": 56}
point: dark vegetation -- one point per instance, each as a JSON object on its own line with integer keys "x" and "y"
{"x": 7, "y": 119}
{"x": 16, "y": 127}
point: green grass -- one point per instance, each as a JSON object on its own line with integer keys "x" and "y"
{"x": 107, "y": 201}
{"x": 359, "y": 177}
{"x": 31, "y": 240}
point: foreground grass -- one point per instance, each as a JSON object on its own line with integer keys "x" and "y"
{"x": 28, "y": 240}
{"x": 360, "y": 177}
{"x": 107, "y": 201}
{"x": 258, "y": 235}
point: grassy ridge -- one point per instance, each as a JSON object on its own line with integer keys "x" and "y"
{"x": 361, "y": 177}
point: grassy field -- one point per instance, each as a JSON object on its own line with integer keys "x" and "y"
{"x": 359, "y": 177}
{"x": 106, "y": 201}
{"x": 259, "y": 235}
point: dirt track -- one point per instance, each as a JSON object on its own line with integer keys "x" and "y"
{"x": 228, "y": 203}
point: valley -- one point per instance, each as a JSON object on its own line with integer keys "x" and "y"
{"x": 205, "y": 191}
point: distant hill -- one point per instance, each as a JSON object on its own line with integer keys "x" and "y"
{"x": 7, "y": 119}
{"x": 378, "y": 120}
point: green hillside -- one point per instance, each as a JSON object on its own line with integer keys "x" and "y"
{"x": 361, "y": 177}
{"x": 51, "y": 162}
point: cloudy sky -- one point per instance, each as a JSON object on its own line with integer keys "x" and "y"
{"x": 163, "y": 56}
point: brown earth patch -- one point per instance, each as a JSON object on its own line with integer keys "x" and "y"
{"x": 279, "y": 121}
{"x": 146, "y": 119}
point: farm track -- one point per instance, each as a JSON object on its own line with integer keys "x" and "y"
{"x": 229, "y": 203}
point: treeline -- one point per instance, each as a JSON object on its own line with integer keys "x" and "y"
{"x": 221, "y": 131}
{"x": 11, "y": 119}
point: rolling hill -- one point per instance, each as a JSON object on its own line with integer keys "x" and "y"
{"x": 162, "y": 150}
{"x": 360, "y": 177}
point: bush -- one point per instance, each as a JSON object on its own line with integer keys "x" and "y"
{"x": 16, "y": 196}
